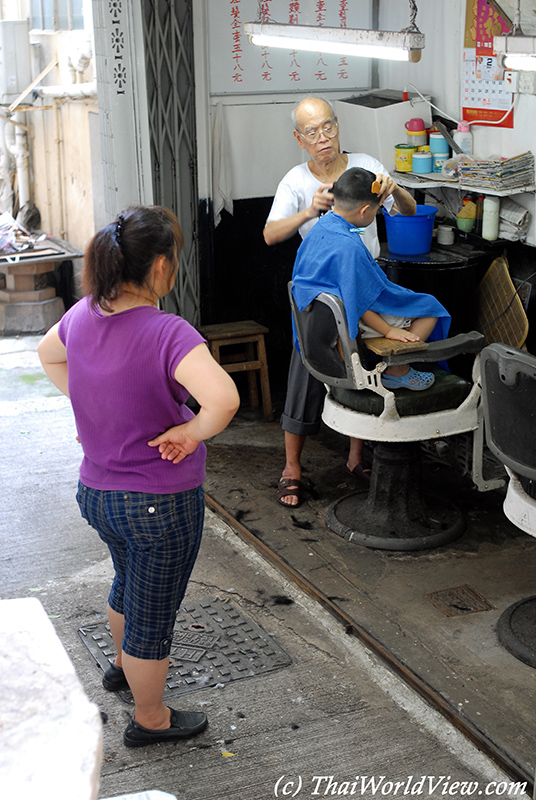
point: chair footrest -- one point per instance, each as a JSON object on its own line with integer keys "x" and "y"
{"x": 448, "y": 391}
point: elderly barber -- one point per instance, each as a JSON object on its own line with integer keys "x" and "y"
{"x": 301, "y": 197}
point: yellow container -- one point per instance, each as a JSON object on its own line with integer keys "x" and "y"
{"x": 403, "y": 157}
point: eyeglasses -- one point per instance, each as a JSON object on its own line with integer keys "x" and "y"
{"x": 329, "y": 130}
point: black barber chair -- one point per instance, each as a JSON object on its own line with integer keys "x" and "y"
{"x": 394, "y": 515}
{"x": 509, "y": 395}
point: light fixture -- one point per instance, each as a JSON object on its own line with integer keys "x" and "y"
{"x": 392, "y": 45}
{"x": 518, "y": 51}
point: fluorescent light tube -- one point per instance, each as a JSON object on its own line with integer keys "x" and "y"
{"x": 521, "y": 63}
{"x": 393, "y": 45}
{"x": 518, "y": 52}
{"x": 337, "y": 48}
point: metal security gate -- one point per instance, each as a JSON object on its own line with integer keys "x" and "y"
{"x": 168, "y": 38}
{"x": 147, "y": 120}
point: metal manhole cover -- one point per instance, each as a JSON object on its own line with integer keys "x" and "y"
{"x": 459, "y": 600}
{"x": 214, "y": 642}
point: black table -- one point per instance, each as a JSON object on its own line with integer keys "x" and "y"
{"x": 450, "y": 273}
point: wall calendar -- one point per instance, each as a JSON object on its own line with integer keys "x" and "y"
{"x": 484, "y": 95}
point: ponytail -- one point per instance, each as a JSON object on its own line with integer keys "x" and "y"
{"x": 124, "y": 251}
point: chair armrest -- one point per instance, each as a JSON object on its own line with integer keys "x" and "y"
{"x": 391, "y": 347}
{"x": 472, "y": 342}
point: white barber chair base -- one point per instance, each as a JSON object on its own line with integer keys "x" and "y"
{"x": 395, "y": 514}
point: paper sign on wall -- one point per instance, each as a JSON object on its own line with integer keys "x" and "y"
{"x": 238, "y": 67}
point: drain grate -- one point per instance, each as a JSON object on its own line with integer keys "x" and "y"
{"x": 459, "y": 600}
{"x": 214, "y": 642}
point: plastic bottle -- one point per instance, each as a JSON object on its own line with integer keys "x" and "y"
{"x": 490, "y": 218}
{"x": 464, "y": 138}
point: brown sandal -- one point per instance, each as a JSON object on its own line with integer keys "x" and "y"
{"x": 290, "y": 487}
{"x": 360, "y": 473}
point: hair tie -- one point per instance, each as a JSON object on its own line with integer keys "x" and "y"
{"x": 119, "y": 231}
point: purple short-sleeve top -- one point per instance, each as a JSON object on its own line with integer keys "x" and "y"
{"x": 124, "y": 393}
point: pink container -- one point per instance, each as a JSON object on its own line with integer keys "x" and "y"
{"x": 415, "y": 124}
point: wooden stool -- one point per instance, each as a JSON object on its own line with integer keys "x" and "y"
{"x": 247, "y": 333}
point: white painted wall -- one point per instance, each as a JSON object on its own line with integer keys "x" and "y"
{"x": 258, "y": 129}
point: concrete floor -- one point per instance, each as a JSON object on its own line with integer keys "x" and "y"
{"x": 336, "y": 720}
{"x": 389, "y": 597}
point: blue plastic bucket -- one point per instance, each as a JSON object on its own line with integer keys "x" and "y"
{"x": 410, "y": 236}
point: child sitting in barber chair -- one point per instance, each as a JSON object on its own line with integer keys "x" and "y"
{"x": 332, "y": 258}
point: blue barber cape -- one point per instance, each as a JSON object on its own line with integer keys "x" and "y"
{"x": 332, "y": 258}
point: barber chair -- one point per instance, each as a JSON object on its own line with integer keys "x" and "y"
{"x": 394, "y": 515}
{"x": 509, "y": 398}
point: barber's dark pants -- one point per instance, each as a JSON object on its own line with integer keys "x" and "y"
{"x": 304, "y": 400}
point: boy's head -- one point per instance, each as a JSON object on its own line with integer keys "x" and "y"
{"x": 354, "y": 196}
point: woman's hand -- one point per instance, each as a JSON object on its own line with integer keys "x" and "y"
{"x": 217, "y": 395}
{"x": 174, "y": 444}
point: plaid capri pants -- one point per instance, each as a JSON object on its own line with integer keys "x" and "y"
{"x": 153, "y": 540}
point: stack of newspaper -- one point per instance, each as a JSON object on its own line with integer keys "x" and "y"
{"x": 513, "y": 220}
{"x": 499, "y": 174}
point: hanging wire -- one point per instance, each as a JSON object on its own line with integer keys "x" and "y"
{"x": 413, "y": 10}
{"x": 496, "y": 122}
{"x": 443, "y": 114}
{"x": 262, "y": 17}
{"x": 516, "y": 27}
{"x": 470, "y": 122}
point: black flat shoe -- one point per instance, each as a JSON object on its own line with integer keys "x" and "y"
{"x": 114, "y": 679}
{"x": 183, "y": 725}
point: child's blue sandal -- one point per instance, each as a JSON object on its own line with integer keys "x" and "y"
{"x": 414, "y": 380}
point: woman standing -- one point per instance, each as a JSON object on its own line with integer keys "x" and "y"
{"x": 129, "y": 369}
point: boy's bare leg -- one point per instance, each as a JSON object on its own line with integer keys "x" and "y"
{"x": 422, "y": 327}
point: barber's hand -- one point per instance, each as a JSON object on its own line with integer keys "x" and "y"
{"x": 402, "y": 335}
{"x": 388, "y": 185}
{"x": 322, "y": 200}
